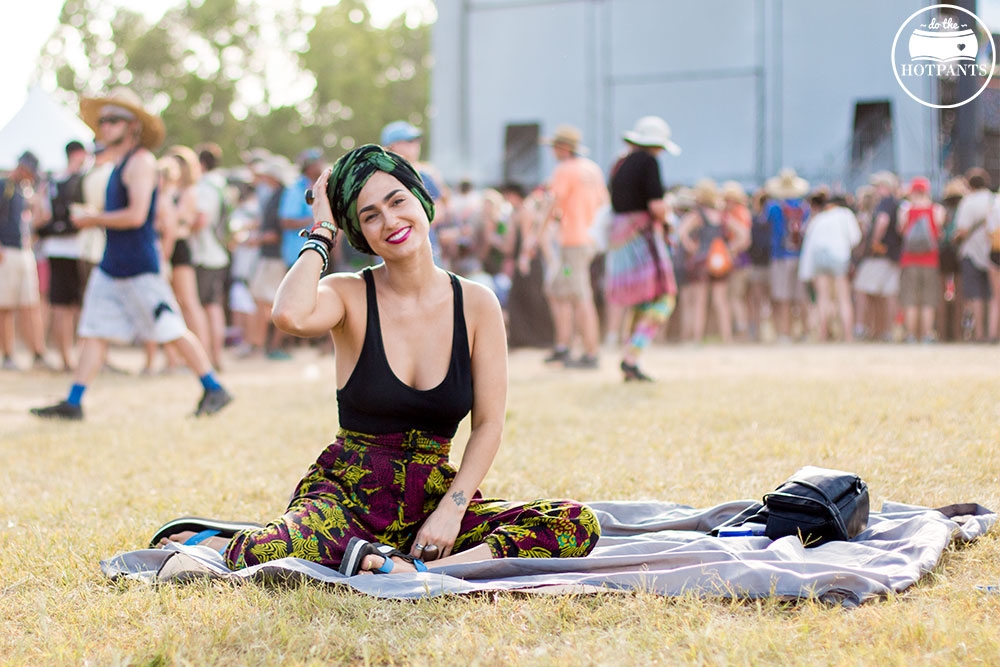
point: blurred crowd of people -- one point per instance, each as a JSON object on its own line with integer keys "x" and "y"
{"x": 888, "y": 262}
{"x": 569, "y": 260}
{"x": 787, "y": 261}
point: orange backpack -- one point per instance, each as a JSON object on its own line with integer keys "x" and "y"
{"x": 719, "y": 261}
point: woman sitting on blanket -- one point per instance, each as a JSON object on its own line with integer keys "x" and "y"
{"x": 417, "y": 349}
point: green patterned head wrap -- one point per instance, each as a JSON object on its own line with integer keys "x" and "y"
{"x": 352, "y": 171}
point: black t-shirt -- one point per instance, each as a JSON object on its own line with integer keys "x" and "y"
{"x": 635, "y": 181}
{"x": 891, "y": 239}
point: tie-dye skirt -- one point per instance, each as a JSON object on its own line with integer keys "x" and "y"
{"x": 637, "y": 266}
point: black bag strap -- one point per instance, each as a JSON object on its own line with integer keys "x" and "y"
{"x": 830, "y": 505}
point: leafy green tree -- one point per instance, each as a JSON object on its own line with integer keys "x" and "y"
{"x": 244, "y": 74}
{"x": 365, "y": 77}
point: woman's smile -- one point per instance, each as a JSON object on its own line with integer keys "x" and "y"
{"x": 400, "y": 236}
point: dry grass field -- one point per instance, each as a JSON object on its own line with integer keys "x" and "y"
{"x": 921, "y": 424}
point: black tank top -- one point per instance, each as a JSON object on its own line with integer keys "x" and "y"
{"x": 376, "y": 402}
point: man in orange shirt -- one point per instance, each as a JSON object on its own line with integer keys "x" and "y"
{"x": 578, "y": 190}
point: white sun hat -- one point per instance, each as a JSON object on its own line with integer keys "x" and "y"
{"x": 652, "y": 131}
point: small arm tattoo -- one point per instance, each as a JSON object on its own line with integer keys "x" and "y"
{"x": 459, "y": 498}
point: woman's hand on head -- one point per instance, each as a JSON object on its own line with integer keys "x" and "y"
{"x": 321, "y": 203}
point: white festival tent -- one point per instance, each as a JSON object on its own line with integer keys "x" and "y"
{"x": 43, "y": 126}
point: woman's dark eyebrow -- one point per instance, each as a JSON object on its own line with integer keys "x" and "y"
{"x": 384, "y": 200}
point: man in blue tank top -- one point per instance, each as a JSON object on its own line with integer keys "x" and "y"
{"x": 126, "y": 297}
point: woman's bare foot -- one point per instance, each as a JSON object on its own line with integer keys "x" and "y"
{"x": 217, "y": 543}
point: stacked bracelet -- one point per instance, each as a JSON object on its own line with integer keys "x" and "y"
{"x": 322, "y": 224}
{"x": 319, "y": 247}
{"x": 325, "y": 240}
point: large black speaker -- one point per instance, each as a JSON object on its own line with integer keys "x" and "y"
{"x": 521, "y": 161}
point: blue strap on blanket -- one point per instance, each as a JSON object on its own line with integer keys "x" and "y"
{"x": 198, "y": 538}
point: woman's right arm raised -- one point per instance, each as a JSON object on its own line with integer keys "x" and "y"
{"x": 305, "y": 305}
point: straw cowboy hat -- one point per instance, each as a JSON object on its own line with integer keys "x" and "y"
{"x": 885, "y": 178}
{"x": 956, "y": 188}
{"x": 786, "y": 185}
{"x": 652, "y": 131}
{"x": 733, "y": 191}
{"x": 568, "y": 137}
{"x": 682, "y": 199}
{"x": 275, "y": 167}
{"x": 706, "y": 192}
{"x": 153, "y": 131}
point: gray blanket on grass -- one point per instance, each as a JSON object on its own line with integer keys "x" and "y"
{"x": 656, "y": 547}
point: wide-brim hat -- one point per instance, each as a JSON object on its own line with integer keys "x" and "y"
{"x": 956, "y": 188}
{"x": 682, "y": 198}
{"x": 153, "y": 130}
{"x": 569, "y": 137}
{"x": 276, "y": 167}
{"x": 652, "y": 132}
{"x": 884, "y": 178}
{"x": 786, "y": 185}
{"x": 255, "y": 155}
{"x": 733, "y": 191}
{"x": 706, "y": 192}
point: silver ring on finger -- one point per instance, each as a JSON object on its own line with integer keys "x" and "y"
{"x": 431, "y": 547}
{"x": 310, "y": 197}
{"x": 418, "y": 547}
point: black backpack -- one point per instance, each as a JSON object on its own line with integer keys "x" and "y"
{"x": 61, "y": 195}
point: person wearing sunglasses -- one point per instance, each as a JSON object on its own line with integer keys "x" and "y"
{"x": 127, "y": 297}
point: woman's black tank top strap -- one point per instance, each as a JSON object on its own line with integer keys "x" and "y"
{"x": 375, "y": 401}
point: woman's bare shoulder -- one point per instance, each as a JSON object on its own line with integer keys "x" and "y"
{"x": 350, "y": 287}
{"x": 345, "y": 283}
{"x": 479, "y": 299}
{"x": 349, "y": 290}
{"x": 473, "y": 290}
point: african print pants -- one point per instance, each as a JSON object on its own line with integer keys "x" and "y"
{"x": 382, "y": 488}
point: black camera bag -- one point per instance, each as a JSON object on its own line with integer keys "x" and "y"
{"x": 818, "y": 505}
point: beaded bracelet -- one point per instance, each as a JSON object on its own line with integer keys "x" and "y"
{"x": 325, "y": 240}
{"x": 319, "y": 248}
